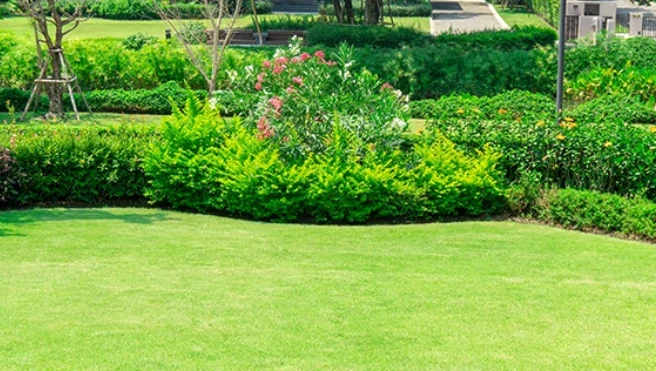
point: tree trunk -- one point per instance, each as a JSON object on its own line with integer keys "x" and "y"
{"x": 338, "y": 11}
{"x": 348, "y": 9}
{"x": 55, "y": 91}
{"x": 373, "y": 11}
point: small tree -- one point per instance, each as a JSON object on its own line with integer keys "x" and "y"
{"x": 207, "y": 49}
{"x": 44, "y": 14}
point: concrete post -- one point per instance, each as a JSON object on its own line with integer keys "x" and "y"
{"x": 635, "y": 24}
{"x": 610, "y": 27}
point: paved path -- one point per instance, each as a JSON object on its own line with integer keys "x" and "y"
{"x": 464, "y": 16}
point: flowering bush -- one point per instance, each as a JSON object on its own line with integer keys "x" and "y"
{"x": 9, "y": 174}
{"x": 295, "y": 98}
{"x": 206, "y": 163}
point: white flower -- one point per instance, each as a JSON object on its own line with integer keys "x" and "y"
{"x": 232, "y": 75}
{"x": 213, "y": 103}
{"x": 398, "y": 93}
{"x": 398, "y": 124}
{"x": 249, "y": 69}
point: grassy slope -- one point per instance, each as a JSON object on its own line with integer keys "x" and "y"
{"x": 520, "y": 17}
{"x": 97, "y": 28}
{"x": 148, "y": 289}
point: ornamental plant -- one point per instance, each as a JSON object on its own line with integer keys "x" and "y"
{"x": 294, "y": 99}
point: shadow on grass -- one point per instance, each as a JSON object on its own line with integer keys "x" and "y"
{"x": 10, "y": 222}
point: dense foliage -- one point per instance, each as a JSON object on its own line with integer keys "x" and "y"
{"x": 156, "y": 101}
{"x": 295, "y": 99}
{"x": 592, "y": 210}
{"x": 205, "y": 163}
{"x": 615, "y": 108}
{"x": 383, "y": 37}
{"x": 87, "y": 165}
{"x": 607, "y": 157}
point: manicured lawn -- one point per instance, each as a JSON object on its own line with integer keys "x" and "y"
{"x": 149, "y": 289}
{"x": 520, "y": 17}
{"x": 97, "y": 28}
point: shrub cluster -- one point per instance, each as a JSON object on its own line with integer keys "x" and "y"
{"x": 87, "y": 165}
{"x": 585, "y": 210}
{"x": 607, "y": 157}
{"x": 145, "y": 9}
{"x": 631, "y": 81}
{"x": 157, "y": 101}
{"x": 514, "y": 104}
{"x": 518, "y": 38}
{"x": 204, "y": 163}
{"x": 396, "y": 10}
{"x": 615, "y": 108}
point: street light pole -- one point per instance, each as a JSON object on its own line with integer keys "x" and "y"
{"x": 561, "y": 58}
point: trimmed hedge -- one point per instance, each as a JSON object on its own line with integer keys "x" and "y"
{"x": 156, "y": 101}
{"x": 593, "y": 210}
{"x": 89, "y": 165}
{"x": 411, "y": 10}
{"x": 514, "y": 104}
{"x": 605, "y": 157}
{"x": 522, "y": 38}
{"x": 622, "y": 109}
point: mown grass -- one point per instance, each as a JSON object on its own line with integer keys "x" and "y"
{"x": 99, "y": 28}
{"x": 150, "y": 289}
{"x": 520, "y": 17}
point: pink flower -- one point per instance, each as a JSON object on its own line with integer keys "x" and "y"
{"x": 296, "y": 60}
{"x": 386, "y": 86}
{"x": 265, "y": 130}
{"x": 320, "y": 54}
{"x": 277, "y": 70}
{"x": 258, "y": 86}
{"x": 331, "y": 63}
{"x": 266, "y": 64}
{"x": 276, "y": 102}
{"x": 290, "y": 89}
{"x": 260, "y": 77}
{"x": 297, "y": 80}
{"x": 305, "y": 56}
{"x": 281, "y": 60}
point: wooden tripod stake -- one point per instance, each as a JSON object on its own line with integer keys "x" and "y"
{"x": 67, "y": 80}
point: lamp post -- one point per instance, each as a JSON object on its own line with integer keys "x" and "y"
{"x": 561, "y": 58}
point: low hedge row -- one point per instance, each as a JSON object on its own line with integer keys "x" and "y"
{"x": 586, "y": 210}
{"x": 615, "y": 108}
{"x": 607, "y": 157}
{"x": 157, "y": 101}
{"x": 89, "y": 165}
{"x": 524, "y": 38}
{"x": 144, "y": 9}
{"x": 411, "y": 10}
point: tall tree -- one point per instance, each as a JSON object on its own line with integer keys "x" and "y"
{"x": 51, "y": 26}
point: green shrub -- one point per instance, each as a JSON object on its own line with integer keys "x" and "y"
{"x": 138, "y": 41}
{"x": 615, "y": 108}
{"x": 205, "y": 163}
{"x": 156, "y": 101}
{"x": 605, "y": 157}
{"x": 519, "y": 38}
{"x": 286, "y": 23}
{"x": 397, "y": 10}
{"x": 87, "y": 165}
{"x": 586, "y": 209}
{"x": 630, "y": 81}
{"x": 512, "y": 105}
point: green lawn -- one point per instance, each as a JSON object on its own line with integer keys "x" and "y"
{"x": 154, "y": 290}
{"x": 97, "y": 28}
{"x": 520, "y": 17}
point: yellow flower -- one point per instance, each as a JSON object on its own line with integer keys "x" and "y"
{"x": 461, "y": 111}
{"x": 502, "y": 111}
{"x": 540, "y": 123}
{"x": 571, "y": 125}
{"x": 569, "y": 119}
{"x": 608, "y": 144}
{"x": 652, "y": 129}
{"x": 476, "y": 110}
{"x": 560, "y": 137}
{"x": 518, "y": 118}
